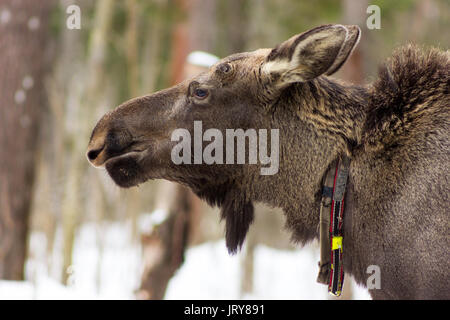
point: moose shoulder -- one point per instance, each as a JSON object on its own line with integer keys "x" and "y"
{"x": 395, "y": 131}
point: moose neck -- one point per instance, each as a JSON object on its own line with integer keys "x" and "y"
{"x": 319, "y": 121}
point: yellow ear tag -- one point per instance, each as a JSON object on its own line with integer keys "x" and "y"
{"x": 336, "y": 243}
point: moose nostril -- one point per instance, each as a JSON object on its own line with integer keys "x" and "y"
{"x": 93, "y": 154}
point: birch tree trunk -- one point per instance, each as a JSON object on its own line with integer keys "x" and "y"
{"x": 23, "y": 38}
{"x": 90, "y": 98}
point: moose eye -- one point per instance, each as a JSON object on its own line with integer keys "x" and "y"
{"x": 225, "y": 68}
{"x": 200, "y": 93}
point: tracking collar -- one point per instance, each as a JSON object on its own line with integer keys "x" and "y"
{"x": 331, "y": 270}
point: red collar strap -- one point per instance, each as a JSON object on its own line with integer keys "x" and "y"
{"x": 331, "y": 219}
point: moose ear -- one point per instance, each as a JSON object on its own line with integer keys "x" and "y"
{"x": 322, "y": 50}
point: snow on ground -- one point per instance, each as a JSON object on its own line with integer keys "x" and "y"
{"x": 107, "y": 265}
{"x": 210, "y": 273}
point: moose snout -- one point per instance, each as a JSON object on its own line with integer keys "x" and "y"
{"x": 106, "y": 144}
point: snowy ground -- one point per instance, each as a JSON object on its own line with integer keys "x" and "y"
{"x": 208, "y": 272}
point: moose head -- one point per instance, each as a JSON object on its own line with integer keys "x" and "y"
{"x": 261, "y": 90}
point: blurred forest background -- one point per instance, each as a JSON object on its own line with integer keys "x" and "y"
{"x": 65, "y": 229}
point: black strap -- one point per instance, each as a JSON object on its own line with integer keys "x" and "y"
{"x": 327, "y": 192}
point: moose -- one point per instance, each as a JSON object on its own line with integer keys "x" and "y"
{"x": 395, "y": 132}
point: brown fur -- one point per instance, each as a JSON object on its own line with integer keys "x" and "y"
{"x": 395, "y": 131}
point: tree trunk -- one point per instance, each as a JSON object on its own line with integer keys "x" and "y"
{"x": 91, "y": 95}
{"x": 354, "y": 12}
{"x": 164, "y": 247}
{"x": 23, "y": 36}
